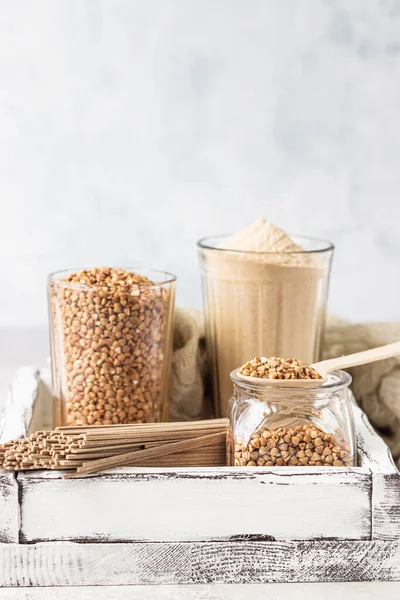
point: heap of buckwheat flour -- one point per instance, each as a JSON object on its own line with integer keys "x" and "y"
{"x": 265, "y": 296}
{"x": 261, "y": 236}
{"x": 264, "y": 237}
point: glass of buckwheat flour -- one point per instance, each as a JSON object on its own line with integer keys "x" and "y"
{"x": 265, "y": 294}
{"x": 111, "y": 344}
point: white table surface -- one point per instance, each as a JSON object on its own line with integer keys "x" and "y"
{"x": 273, "y": 591}
{"x": 30, "y": 347}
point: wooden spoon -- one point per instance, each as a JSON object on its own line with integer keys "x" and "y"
{"x": 333, "y": 364}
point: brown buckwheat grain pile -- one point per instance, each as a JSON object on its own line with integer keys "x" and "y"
{"x": 303, "y": 445}
{"x": 278, "y": 368}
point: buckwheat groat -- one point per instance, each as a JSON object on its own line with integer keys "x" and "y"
{"x": 111, "y": 326}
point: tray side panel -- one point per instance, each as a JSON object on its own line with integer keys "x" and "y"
{"x": 17, "y": 414}
{"x": 9, "y": 508}
{"x": 375, "y": 455}
{"x": 60, "y": 564}
{"x": 198, "y": 504}
{"x": 14, "y": 422}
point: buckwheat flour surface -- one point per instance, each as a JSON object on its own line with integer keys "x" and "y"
{"x": 264, "y": 295}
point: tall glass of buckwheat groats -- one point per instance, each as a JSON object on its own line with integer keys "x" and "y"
{"x": 111, "y": 344}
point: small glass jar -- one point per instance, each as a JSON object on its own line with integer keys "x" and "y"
{"x": 274, "y": 425}
{"x": 111, "y": 345}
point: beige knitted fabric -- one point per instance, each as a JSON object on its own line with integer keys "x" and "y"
{"x": 188, "y": 367}
{"x": 376, "y": 386}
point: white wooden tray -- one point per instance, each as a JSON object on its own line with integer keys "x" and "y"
{"x": 198, "y": 525}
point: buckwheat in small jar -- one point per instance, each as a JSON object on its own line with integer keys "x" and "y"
{"x": 111, "y": 344}
{"x": 274, "y": 425}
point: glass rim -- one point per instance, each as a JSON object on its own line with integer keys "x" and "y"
{"x": 204, "y": 244}
{"x": 55, "y": 276}
{"x": 336, "y": 380}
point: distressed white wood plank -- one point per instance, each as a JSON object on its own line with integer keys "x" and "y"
{"x": 60, "y": 564}
{"x": 197, "y": 504}
{"x": 9, "y": 508}
{"x": 386, "y": 506}
{"x": 17, "y": 414}
{"x": 385, "y": 499}
{"x": 14, "y": 422}
{"x": 236, "y": 591}
{"x": 374, "y": 453}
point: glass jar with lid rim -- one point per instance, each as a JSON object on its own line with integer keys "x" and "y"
{"x": 278, "y": 425}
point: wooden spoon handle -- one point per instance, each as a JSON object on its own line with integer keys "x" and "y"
{"x": 359, "y": 358}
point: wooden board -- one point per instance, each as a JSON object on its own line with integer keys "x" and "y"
{"x": 373, "y": 590}
{"x": 202, "y": 562}
{"x": 385, "y": 501}
{"x": 9, "y": 508}
{"x": 22, "y": 400}
{"x": 198, "y": 504}
{"x": 197, "y": 525}
{"x": 14, "y": 423}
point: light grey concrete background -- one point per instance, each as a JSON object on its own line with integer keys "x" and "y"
{"x": 129, "y": 129}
